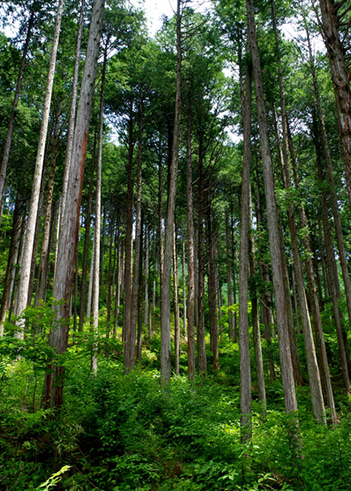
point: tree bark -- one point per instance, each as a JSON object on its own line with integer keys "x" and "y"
{"x": 341, "y": 81}
{"x": 70, "y": 222}
{"x": 176, "y": 304}
{"x": 23, "y": 286}
{"x": 128, "y": 301}
{"x": 201, "y": 341}
{"x": 245, "y": 366}
{"x": 97, "y": 244}
{"x": 191, "y": 250}
{"x": 44, "y": 254}
{"x": 167, "y": 263}
{"x": 13, "y": 252}
{"x": 311, "y": 358}
{"x": 9, "y": 134}
{"x": 72, "y": 114}
{"x": 273, "y": 224}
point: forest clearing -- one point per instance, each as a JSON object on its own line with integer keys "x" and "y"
{"x": 175, "y": 240}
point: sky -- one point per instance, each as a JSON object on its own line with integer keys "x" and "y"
{"x": 154, "y": 10}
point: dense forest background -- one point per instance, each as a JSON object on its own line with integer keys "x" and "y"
{"x": 174, "y": 246}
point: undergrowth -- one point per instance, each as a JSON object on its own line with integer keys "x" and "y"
{"x": 119, "y": 433}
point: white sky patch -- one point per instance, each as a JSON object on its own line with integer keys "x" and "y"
{"x": 156, "y": 9}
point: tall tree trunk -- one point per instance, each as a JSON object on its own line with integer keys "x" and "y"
{"x": 176, "y": 304}
{"x": 36, "y": 238}
{"x": 255, "y": 317}
{"x": 191, "y": 249}
{"x": 147, "y": 276}
{"x": 44, "y": 254}
{"x": 75, "y": 296}
{"x": 72, "y": 114}
{"x": 102, "y": 245}
{"x": 15, "y": 271}
{"x": 229, "y": 278}
{"x": 212, "y": 288}
{"x": 167, "y": 263}
{"x": 334, "y": 282}
{"x": 245, "y": 367}
{"x": 185, "y": 310}
{"x": 33, "y": 209}
{"x": 311, "y": 358}
{"x": 13, "y": 252}
{"x": 332, "y": 187}
{"x": 273, "y": 224}
{"x": 201, "y": 342}
{"x": 87, "y": 224}
{"x": 8, "y": 140}
{"x": 119, "y": 279}
{"x": 340, "y": 77}
{"x": 267, "y": 315}
{"x": 138, "y": 243}
{"x": 91, "y": 281}
{"x": 97, "y": 244}
{"x": 70, "y": 223}
{"x": 140, "y": 300}
{"x": 110, "y": 279}
{"x": 128, "y": 301}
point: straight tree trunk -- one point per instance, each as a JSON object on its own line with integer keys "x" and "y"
{"x": 23, "y": 286}
{"x": 13, "y": 252}
{"x": 147, "y": 275}
{"x": 102, "y": 246}
{"x": 70, "y": 223}
{"x": 14, "y": 275}
{"x": 201, "y": 341}
{"x": 138, "y": 243}
{"x": 87, "y": 224}
{"x": 340, "y": 77}
{"x": 267, "y": 315}
{"x": 332, "y": 187}
{"x": 110, "y": 280}
{"x": 128, "y": 300}
{"x": 119, "y": 280}
{"x": 255, "y": 317}
{"x": 314, "y": 301}
{"x": 212, "y": 290}
{"x": 245, "y": 367}
{"x": 140, "y": 301}
{"x": 176, "y": 304}
{"x": 311, "y": 358}
{"x": 229, "y": 278}
{"x": 191, "y": 250}
{"x": 273, "y": 224}
{"x": 44, "y": 254}
{"x": 334, "y": 283}
{"x": 72, "y": 114}
{"x": 91, "y": 281}
{"x": 185, "y": 310}
{"x": 167, "y": 263}
{"x": 8, "y": 140}
{"x": 97, "y": 244}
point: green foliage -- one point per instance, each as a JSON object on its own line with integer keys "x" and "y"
{"x": 130, "y": 433}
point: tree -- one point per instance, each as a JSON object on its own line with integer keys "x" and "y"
{"x": 33, "y": 209}
{"x": 70, "y": 223}
{"x": 167, "y": 261}
{"x": 273, "y": 222}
